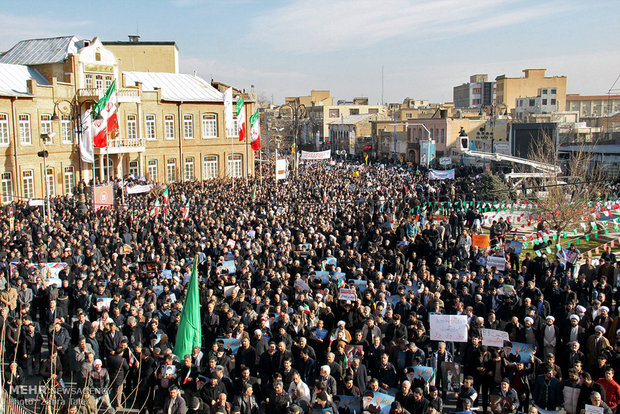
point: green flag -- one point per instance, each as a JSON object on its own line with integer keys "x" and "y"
{"x": 189, "y": 333}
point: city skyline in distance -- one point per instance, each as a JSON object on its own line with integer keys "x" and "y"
{"x": 288, "y": 48}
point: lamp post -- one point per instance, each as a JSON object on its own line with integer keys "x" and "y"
{"x": 299, "y": 114}
{"x": 44, "y": 154}
{"x": 74, "y": 107}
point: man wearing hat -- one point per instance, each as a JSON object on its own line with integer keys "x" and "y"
{"x": 574, "y": 332}
{"x": 596, "y": 345}
{"x": 551, "y": 336}
{"x": 508, "y": 399}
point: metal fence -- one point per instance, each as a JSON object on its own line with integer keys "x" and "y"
{"x": 10, "y": 405}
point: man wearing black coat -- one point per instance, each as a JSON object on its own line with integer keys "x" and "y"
{"x": 117, "y": 369}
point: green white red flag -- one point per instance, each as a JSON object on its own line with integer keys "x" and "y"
{"x": 106, "y": 107}
{"x": 255, "y": 131}
{"x": 186, "y": 211}
{"x": 241, "y": 118}
{"x": 155, "y": 210}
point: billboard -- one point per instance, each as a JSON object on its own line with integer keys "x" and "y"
{"x": 427, "y": 152}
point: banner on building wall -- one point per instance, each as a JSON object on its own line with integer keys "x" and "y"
{"x": 104, "y": 196}
{"x": 441, "y": 175}
{"x": 316, "y": 155}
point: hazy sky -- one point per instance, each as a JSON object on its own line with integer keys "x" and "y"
{"x": 288, "y": 47}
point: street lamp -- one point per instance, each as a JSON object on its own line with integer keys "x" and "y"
{"x": 44, "y": 154}
{"x": 74, "y": 107}
{"x": 299, "y": 113}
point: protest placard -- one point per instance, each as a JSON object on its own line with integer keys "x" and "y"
{"x": 480, "y": 240}
{"x": 230, "y": 344}
{"x": 451, "y": 376}
{"x": 347, "y": 294}
{"x": 494, "y": 337}
{"x": 449, "y": 328}
{"x": 498, "y": 262}
{"x": 524, "y": 351}
{"x": 591, "y": 409}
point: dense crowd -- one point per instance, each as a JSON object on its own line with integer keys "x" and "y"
{"x": 373, "y": 224}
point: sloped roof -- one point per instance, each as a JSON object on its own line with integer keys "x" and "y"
{"x": 176, "y": 87}
{"x": 42, "y": 51}
{"x": 14, "y": 78}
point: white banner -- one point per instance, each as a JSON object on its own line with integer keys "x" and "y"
{"x": 441, "y": 175}
{"x": 137, "y": 189}
{"x": 87, "y": 151}
{"x": 228, "y": 112}
{"x": 282, "y": 169}
{"x": 449, "y": 328}
{"x": 319, "y": 155}
{"x": 494, "y": 337}
{"x": 497, "y": 261}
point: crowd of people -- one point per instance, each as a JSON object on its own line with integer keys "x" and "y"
{"x": 104, "y": 326}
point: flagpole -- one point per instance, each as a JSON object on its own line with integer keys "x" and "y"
{"x": 232, "y": 152}
{"x": 247, "y": 158}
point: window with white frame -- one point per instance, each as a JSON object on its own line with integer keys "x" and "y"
{"x": 189, "y": 169}
{"x": 99, "y": 81}
{"x": 132, "y": 127}
{"x": 4, "y": 129}
{"x": 108, "y": 81}
{"x": 25, "y": 137}
{"x": 69, "y": 180}
{"x": 235, "y": 165}
{"x": 7, "y": 188}
{"x": 46, "y": 128}
{"x": 66, "y": 132}
{"x": 88, "y": 78}
{"x": 188, "y": 126}
{"x": 152, "y": 170}
{"x": 171, "y": 170}
{"x": 28, "y": 183}
{"x": 150, "y": 130}
{"x": 209, "y": 126}
{"x": 133, "y": 168}
{"x": 50, "y": 182}
{"x": 169, "y": 126}
{"x": 210, "y": 168}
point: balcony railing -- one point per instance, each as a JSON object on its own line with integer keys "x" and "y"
{"x": 121, "y": 145}
{"x": 126, "y": 142}
{"x": 123, "y": 94}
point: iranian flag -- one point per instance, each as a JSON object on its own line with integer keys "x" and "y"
{"x": 255, "y": 131}
{"x": 106, "y": 107}
{"x": 186, "y": 211}
{"x": 166, "y": 200}
{"x": 241, "y": 118}
{"x": 155, "y": 210}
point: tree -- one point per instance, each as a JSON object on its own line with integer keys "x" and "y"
{"x": 565, "y": 197}
{"x": 490, "y": 187}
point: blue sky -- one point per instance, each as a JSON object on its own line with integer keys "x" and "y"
{"x": 288, "y": 47}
